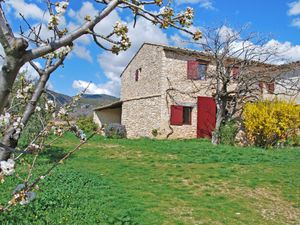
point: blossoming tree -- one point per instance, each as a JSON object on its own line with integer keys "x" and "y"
{"x": 26, "y": 47}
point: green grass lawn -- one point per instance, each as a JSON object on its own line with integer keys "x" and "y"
{"x": 164, "y": 182}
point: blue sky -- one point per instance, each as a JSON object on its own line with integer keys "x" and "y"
{"x": 278, "y": 18}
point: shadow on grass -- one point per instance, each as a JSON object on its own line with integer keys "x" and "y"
{"x": 54, "y": 153}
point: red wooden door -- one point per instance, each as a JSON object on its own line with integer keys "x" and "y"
{"x": 206, "y": 117}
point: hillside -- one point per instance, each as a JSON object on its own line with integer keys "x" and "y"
{"x": 85, "y": 105}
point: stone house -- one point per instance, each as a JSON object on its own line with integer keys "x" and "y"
{"x": 161, "y": 97}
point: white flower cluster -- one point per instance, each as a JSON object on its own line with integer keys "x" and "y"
{"x": 5, "y": 119}
{"x": 49, "y": 106}
{"x": 58, "y": 131}
{"x": 8, "y": 167}
{"x": 62, "y": 113}
{"x": 59, "y": 52}
{"x": 53, "y": 21}
{"x": 20, "y": 195}
{"x": 78, "y": 132}
{"x": 186, "y": 18}
{"x": 33, "y": 147}
{"x": 18, "y": 125}
{"x": 38, "y": 109}
{"x": 121, "y": 30}
{"x": 189, "y": 13}
{"x": 60, "y": 8}
{"x": 23, "y": 92}
{"x": 29, "y": 196}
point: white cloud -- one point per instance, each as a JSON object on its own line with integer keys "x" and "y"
{"x": 82, "y": 53}
{"x": 30, "y": 72}
{"x": 294, "y": 8}
{"x": 296, "y": 22}
{"x": 286, "y": 51}
{"x": 207, "y": 4}
{"x": 113, "y": 65}
{"x": 29, "y": 10}
{"x": 93, "y": 88}
{"x": 227, "y": 32}
{"x": 144, "y": 31}
{"x": 87, "y": 9}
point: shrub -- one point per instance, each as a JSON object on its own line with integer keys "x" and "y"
{"x": 86, "y": 124}
{"x": 271, "y": 123}
{"x": 115, "y": 130}
{"x": 228, "y": 132}
{"x": 154, "y": 132}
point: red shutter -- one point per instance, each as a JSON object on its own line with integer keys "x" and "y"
{"x": 176, "y": 115}
{"x": 192, "y": 69}
{"x": 271, "y": 87}
{"x": 235, "y": 71}
{"x": 261, "y": 86}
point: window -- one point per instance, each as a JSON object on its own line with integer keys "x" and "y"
{"x": 202, "y": 71}
{"x": 137, "y": 74}
{"x": 181, "y": 115}
{"x": 235, "y": 72}
{"x": 270, "y": 87}
{"x": 196, "y": 70}
{"x": 187, "y": 115}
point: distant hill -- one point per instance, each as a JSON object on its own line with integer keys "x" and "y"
{"x": 85, "y": 105}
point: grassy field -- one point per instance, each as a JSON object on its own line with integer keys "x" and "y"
{"x": 165, "y": 182}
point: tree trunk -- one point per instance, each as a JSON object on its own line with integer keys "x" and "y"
{"x": 216, "y": 136}
{"x": 10, "y": 138}
{"x": 8, "y": 75}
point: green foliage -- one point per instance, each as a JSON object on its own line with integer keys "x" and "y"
{"x": 146, "y": 181}
{"x": 228, "y": 132}
{"x": 154, "y": 132}
{"x": 270, "y": 123}
{"x": 115, "y": 130}
{"x": 86, "y": 124}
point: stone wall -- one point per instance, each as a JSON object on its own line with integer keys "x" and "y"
{"x": 148, "y": 60}
{"x": 107, "y": 116}
{"x": 141, "y": 116}
{"x": 178, "y": 90}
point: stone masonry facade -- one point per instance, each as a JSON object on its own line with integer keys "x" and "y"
{"x": 162, "y": 82}
{"x": 156, "y": 80}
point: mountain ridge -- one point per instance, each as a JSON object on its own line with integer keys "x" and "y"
{"x": 85, "y": 105}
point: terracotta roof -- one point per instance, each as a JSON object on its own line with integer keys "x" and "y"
{"x": 169, "y": 48}
{"x": 185, "y": 51}
{"x": 113, "y": 105}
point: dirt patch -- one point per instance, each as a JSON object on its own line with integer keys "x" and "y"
{"x": 185, "y": 215}
{"x": 270, "y": 205}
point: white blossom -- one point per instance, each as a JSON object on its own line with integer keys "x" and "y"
{"x": 8, "y": 167}
{"x": 53, "y": 21}
{"x": 4, "y": 119}
{"x": 20, "y": 94}
{"x": 120, "y": 28}
{"x": 62, "y": 112}
{"x": 60, "y": 7}
{"x": 18, "y": 125}
{"x": 34, "y": 147}
{"x": 189, "y": 13}
{"x": 38, "y": 109}
{"x": 49, "y": 106}
{"x": 29, "y": 196}
{"x": 62, "y": 51}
